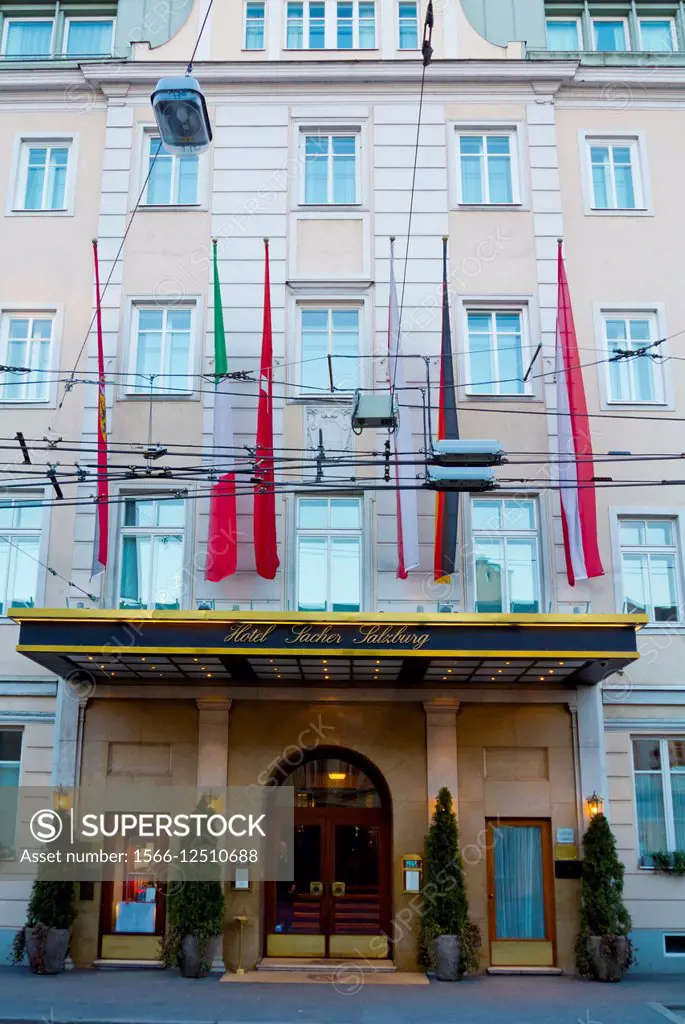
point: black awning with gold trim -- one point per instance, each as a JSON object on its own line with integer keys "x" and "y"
{"x": 300, "y": 648}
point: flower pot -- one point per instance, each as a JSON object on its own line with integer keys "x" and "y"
{"x": 46, "y": 949}
{"x": 609, "y": 956}
{"x": 447, "y": 955}
{"x": 196, "y": 958}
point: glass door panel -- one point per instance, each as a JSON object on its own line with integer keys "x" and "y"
{"x": 356, "y": 892}
{"x": 300, "y": 906}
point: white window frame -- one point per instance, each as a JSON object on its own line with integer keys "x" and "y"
{"x": 148, "y": 136}
{"x": 5, "y": 33}
{"x": 305, "y": 28}
{"x": 656, "y": 17}
{"x": 38, "y": 494}
{"x": 253, "y": 49}
{"x": 641, "y": 181}
{"x": 482, "y": 304}
{"x": 5, "y": 317}
{"x": 11, "y": 310}
{"x": 518, "y": 172}
{"x": 361, "y": 533}
{"x": 16, "y": 194}
{"x": 666, "y": 790}
{"x": 674, "y": 515}
{"x": 330, "y": 132}
{"x": 671, "y": 934}
{"x": 82, "y": 17}
{"x": 7, "y": 727}
{"x": 145, "y": 131}
{"x": 417, "y": 6}
{"x": 653, "y": 312}
{"x": 122, "y": 531}
{"x": 344, "y": 299}
{"x": 579, "y": 30}
{"x": 470, "y": 568}
{"x": 606, "y": 17}
{"x": 333, "y": 5}
{"x": 137, "y": 302}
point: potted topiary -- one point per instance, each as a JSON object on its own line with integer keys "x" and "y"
{"x": 603, "y": 949}
{"x": 195, "y": 925}
{"x": 449, "y": 939}
{"x": 45, "y": 937}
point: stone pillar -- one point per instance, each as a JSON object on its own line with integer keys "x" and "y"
{"x": 66, "y": 753}
{"x": 212, "y": 757}
{"x": 441, "y": 750}
{"x": 591, "y": 747}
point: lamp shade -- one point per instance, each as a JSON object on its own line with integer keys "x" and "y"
{"x": 181, "y": 114}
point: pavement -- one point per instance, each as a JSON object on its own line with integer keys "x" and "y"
{"x": 163, "y": 997}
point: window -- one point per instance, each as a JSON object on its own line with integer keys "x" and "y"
{"x": 660, "y": 795}
{"x": 26, "y": 342}
{"x": 636, "y": 379}
{"x": 254, "y": 25}
{"x": 610, "y": 34}
{"x": 330, "y": 169}
{"x": 657, "y": 35}
{"x": 563, "y": 34}
{"x": 356, "y": 25}
{"x": 306, "y": 25}
{"x": 89, "y": 37}
{"x": 20, "y": 533}
{"x": 42, "y": 181}
{"x": 10, "y": 768}
{"x": 152, "y": 553}
{"x": 330, "y": 332}
{"x": 487, "y": 172}
{"x": 674, "y": 945}
{"x": 173, "y": 178}
{"x": 329, "y": 554}
{"x": 28, "y": 37}
{"x": 495, "y": 352}
{"x": 408, "y": 16}
{"x": 506, "y": 561}
{"x": 615, "y": 173}
{"x": 650, "y": 568}
{"x": 162, "y": 348}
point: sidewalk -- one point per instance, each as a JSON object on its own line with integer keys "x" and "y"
{"x": 163, "y": 997}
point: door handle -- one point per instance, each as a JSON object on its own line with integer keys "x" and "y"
{"x": 491, "y": 895}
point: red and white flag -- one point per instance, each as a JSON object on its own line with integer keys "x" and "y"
{"x": 99, "y": 561}
{"x": 265, "y": 542}
{"x": 576, "y": 469}
{"x": 405, "y": 472}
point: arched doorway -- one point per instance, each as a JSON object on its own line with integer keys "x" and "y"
{"x": 340, "y": 902}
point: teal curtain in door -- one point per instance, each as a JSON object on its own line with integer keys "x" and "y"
{"x": 519, "y": 893}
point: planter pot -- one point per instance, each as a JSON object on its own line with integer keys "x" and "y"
{"x": 447, "y": 958}
{"x": 191, "y": 956}
{"x": 609, "y": 957}
{"x": 46, "y": 949}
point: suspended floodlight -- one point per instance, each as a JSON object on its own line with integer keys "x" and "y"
{"x": 181, "y": 115}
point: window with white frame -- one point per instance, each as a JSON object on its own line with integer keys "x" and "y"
{"x": 355, "y": 24}
{"x": 305, "y": 25}
{"x": 610, "y": 35}
{"x": 28, "y": 37}
{"x": 657, "y": 35}
{"x": 26, "y": 341}
{"x": 329, "y": 567}
{"x": 151, "y": 554}
{"x": 162, "y": 348}
{"x": 408, "y": 20}
{"x": 10, "y": 771}
{"x": 42, "y": 177}
{"x": 651, "y": 567}
{"x": 329, "y": 337}
{"x": 89, "y": 37}
{"x": 615, "y": 173}
{"x": 20, "y": 534}
{"x": 255, "y": 21}
{"x": 506, "y": 556}
{"x": 495, "y": 351}
{"x": 487, "y": 168}
{"x": 172, "y": 178}
{"x": 331, "y": 168}
{"x": 659, "y": 767}
{"x": 632, "y": 378}
{"x": 564, "y": 34}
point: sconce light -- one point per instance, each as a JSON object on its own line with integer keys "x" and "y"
{"x": 61, "y": 799}
{"x": 595, "y": 805}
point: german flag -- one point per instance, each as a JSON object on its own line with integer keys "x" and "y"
{"x": 447, "y": 502}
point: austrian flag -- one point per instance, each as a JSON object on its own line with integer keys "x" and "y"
{"x": 576, "y": 469}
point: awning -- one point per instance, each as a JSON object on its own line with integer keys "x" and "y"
{"x": 341, "y": 649}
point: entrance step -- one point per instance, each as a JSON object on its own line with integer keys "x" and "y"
{"x": 524, "y": 970}
{"x": 122, "y": 965}
{"x": 332, "y": 967}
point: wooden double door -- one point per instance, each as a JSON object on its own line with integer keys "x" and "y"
{"x": 339, "y": 902}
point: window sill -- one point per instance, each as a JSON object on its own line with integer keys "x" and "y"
{"x": 331, "y": 49}
{"x": 593, "y": 211}
{"x": 164, "y": 396}
{"x": 327, "y": 207}
{"x": 495, "y": 207}
{"x": 321, "y": 396}
{"x": 675, "y": 628}
{"x": 41, "y": 213}
{"x": 470, "y": 397}
{"x": 176, "y": 207}
{"x": 624, "y": 403}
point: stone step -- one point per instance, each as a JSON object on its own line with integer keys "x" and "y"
{"x": 319, "y": 966}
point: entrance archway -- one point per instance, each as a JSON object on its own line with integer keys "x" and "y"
{"x": 340, "y": 902}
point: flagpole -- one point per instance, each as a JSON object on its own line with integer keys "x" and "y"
{"x": 101, "y": 537}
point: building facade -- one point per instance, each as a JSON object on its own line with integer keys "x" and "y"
{"x": 537, "y": 124}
